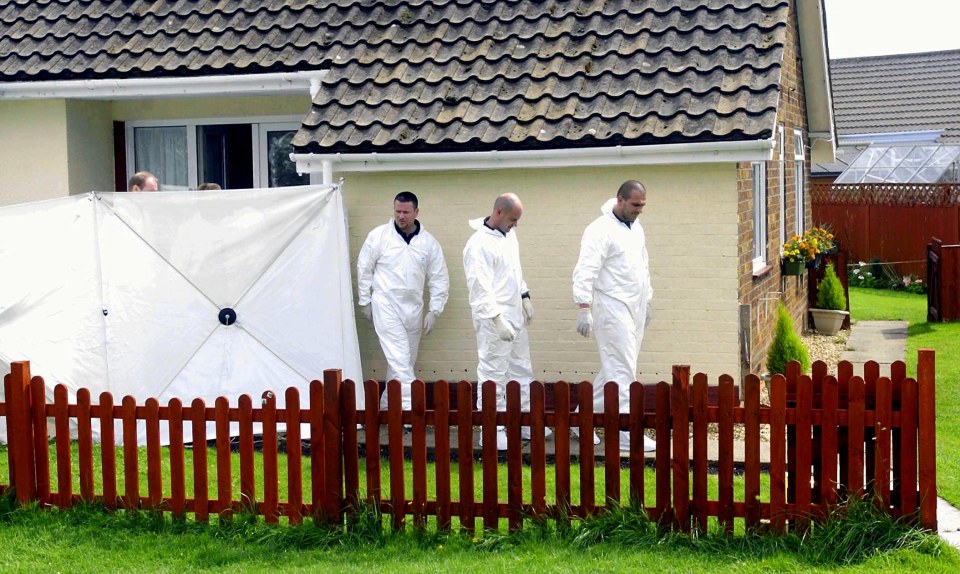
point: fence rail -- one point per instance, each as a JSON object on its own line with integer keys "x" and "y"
{"x": 829, "y": 438}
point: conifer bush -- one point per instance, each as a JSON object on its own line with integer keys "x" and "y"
{"x": 830, "y": 291}
{"x": 786, "y": 345}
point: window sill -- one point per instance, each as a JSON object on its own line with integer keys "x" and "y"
{"x": 762, "y": 270}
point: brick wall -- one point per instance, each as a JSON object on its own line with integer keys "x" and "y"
{"x": 763, "y": 291}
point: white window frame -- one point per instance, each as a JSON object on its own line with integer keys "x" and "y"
{"x": 782, "y": 165}
{"x": 759, "y": 176}
{"x": 799, "y": 180}
{"x": 258, "y": 138}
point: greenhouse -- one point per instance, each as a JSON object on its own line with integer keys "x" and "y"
{"x": 909, "y": 164}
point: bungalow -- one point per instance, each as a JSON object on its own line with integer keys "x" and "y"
{"x": 718, "y": 106}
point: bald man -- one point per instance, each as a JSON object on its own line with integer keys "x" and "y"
{"x": 500, "y": 303}
{"x": 143, "y": 181}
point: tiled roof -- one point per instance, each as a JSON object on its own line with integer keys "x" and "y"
{"x": 468, "y": 75}
{"x": 442, "y": 75}
{"x": 904, "y": 92}
{"x": 95, "y": 39}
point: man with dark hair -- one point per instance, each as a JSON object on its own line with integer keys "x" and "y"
{"x": 611, "y": 284}
{"x": 500, "y": 304}
{"x": 143, "y": 181}
{"x": 395, "y": 261}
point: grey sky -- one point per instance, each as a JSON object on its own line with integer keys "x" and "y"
{"x": 877, "y": 27}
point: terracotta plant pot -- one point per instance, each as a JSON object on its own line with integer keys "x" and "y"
{"x": 827, "y": 321}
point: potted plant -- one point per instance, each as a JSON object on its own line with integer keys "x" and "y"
{"x": 796, "y": 252}
{"x": 786, "y": 346}
{"x": 831, "y": 309}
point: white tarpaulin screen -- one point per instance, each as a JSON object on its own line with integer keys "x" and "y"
{"x": 179, "y": 294}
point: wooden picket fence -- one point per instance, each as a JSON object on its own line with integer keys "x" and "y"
{"x": 829, "y": 438}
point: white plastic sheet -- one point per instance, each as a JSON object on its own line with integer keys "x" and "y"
{"x": 123, "y": 292}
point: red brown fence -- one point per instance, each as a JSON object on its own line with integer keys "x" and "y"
{"x": 943, "y": 281}
{"x": 892, "y": 222}
{"x": 829, "y": 437}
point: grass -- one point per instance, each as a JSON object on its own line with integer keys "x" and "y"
{"x": 878, "y": 304}
{"x": 88, "y": 539}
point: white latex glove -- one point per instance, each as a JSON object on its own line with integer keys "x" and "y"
{"x": 649, "y": 317}
{"x": 429, "y": 320}
{"x": 504, "y": 330}
{"x": 585, "y": 321}
{"x": 366, "y": 311}
{"x": 527, "y": 311}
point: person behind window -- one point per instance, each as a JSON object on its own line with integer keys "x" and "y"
{"x": 209, "y": 187}
{"x": 143, "y": 181}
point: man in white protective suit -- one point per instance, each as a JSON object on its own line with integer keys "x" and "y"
{"x": 611, "y": 284}
{"x": 395, "y": 262}
{"x": 500, "y": 304}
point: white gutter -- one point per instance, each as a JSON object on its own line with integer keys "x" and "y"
{"x": 245, "y": 84}
{"x": 711, "y": 152}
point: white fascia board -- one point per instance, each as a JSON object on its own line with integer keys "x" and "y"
{"x": 712, "y": 152}
{"x": 136, "y": 88}
{"x": 812, "y": 23}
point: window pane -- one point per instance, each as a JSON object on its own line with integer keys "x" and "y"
{"x": 280, "y": 170}
{"x": 163, "y": 152}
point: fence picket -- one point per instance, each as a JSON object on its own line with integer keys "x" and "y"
{"x": 488, "y": 431}
{"x": 804, "y": 428}
{"x": 318, "y": 466}
{"x": 587, "y": 452}
{"x": 871, "y": 372}
{"x": 178, "y": 479}
{"x": 224, "y": 463}
{"x": 131, "y": 455}
{"x": 611, "y": 446}
{"x": 351, "y": 449}
{"x": 538, "y": 457}
{"x": 908, "y": 449}
{"x": 828, "y": 444}
{"x": 85, "y": 445}
{"x": 64, "y": 466}
{"x": 637, "y": 456}
{"x": 371, "y": 433}
{"x": 844, "y": 373}
{"x": 419, "y": 453}
{"x": 294, "y": 456}
{"x": 395, "y": 444}
{"x": 271, "y": 464}
{"x": 332, "y": 448}
{"x": 778, "y": 453}
{"x": 680, "y": 398}
{"x": 514, "y": 458}
{"x": 465, "y": 406}
{"x": 441, "y": 425}
{"x": 818, "y": 373}
{"x": 201, "y": 496}
{"x": 855, "y": 439}
{"x": 561, "y": 445}
{"x": 154, "y": 473}
{"x": 927, "y": 422}
{"x": 41, "y": 442}
{"x": 725, "y": 454}
{"x": 883, "y": 422}
{"x": 248, "y": 488}
{"x": 898, "y": 372}
{"x": 751, "y": 444}
{"x": 700, "y": 421}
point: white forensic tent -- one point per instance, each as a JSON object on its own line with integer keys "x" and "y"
{"x": 179, "y": 294}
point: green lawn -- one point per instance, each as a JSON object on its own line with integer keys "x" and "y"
{"x": 876, "y": 304}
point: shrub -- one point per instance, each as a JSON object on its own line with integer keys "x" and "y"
{"x": 786, "y": 346}
{"x": 830, "y": 291}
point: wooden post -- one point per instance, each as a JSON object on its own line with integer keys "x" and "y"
{"x": 41, "y": 442}
{"x": 332, "y": 445}
{"x": 20, "y": 432}
{"x": 680, "y": 395}
{"x": 927, "y": 447}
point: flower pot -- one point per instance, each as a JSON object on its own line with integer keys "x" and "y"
{"x": 827, "y": 321}
{"x": 793, "y": 267}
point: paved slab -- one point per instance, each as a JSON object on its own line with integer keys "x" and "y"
{"x": 880, "y": 341}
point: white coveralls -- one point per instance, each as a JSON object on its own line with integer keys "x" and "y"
{"x": 491, "y": 262}
{"x": 390, "y": 276}
{"x": 613, "y": 277}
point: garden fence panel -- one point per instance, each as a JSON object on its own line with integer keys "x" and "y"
{"x": 830, "y": 438}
